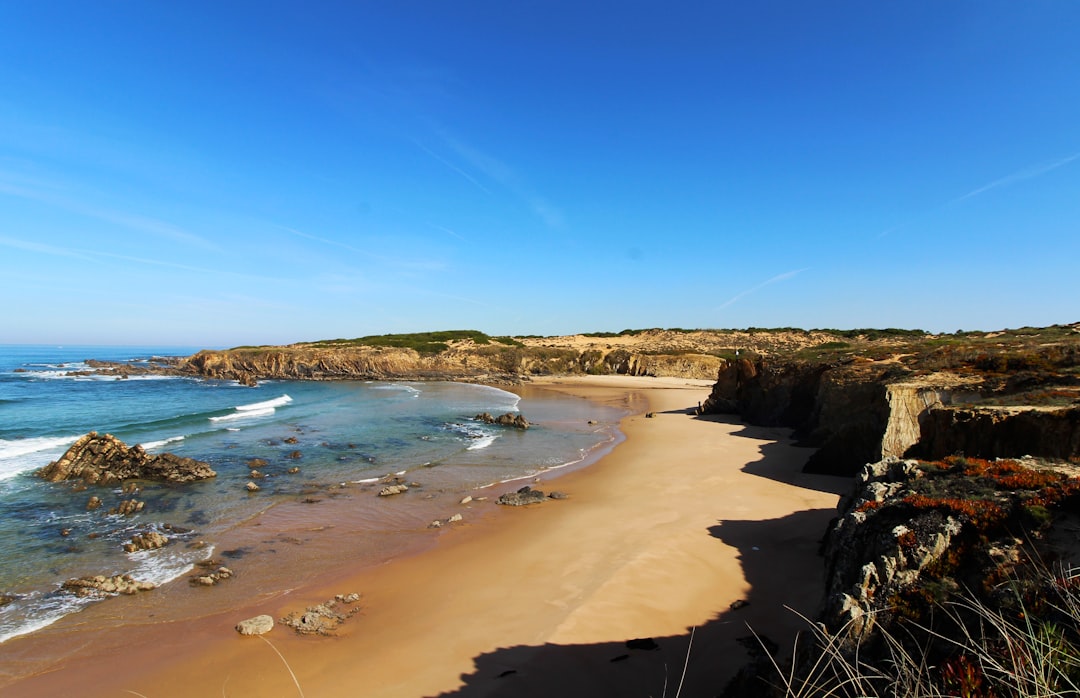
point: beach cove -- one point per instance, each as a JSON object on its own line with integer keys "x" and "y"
{"x": 686, "y": 517}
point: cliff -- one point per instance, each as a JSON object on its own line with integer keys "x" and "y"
{"x": 469, "y": 355}
{"x": 983, "y": 397}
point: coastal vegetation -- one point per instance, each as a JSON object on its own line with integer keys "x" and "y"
{"x": 944, "y": 578}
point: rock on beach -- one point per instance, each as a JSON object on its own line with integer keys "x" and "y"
{"x": 259, "y": 625}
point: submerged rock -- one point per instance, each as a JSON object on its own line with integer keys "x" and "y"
{"x": 103, "y": 459}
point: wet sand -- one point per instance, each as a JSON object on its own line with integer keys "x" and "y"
{"x": 661, "y": 536}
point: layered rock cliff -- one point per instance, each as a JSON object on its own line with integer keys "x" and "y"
{"x": 858, "y": 409}
{"x": 468, "y": 362}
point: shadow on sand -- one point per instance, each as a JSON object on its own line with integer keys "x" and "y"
{"x": 780, "y": 563}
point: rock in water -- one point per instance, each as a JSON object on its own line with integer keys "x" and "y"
{"x": 259, "y": 625}
{"x": 509, "y": 419}
{"x": 100, "y": 585}
{"x": 103, "y": 459}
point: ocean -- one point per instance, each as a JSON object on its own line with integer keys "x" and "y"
{"x": 342, "y": 436}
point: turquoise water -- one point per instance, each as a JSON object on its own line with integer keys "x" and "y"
{"x": 341, "y": 432}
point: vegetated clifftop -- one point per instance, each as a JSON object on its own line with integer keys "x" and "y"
{"x": 988, "y": 395}
{"x": 952, "y": 577}
{"x": 471, "y": 355}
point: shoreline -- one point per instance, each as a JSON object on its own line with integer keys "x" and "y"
{"x": 539, "y": 600}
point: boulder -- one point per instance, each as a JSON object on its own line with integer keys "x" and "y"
{"x": 509, "y": 419}
{"x": 104, "y": 459}
{"x": 526, "y": 495}
{"x": 259, "y": 625}
{"x": 149, "y": 540}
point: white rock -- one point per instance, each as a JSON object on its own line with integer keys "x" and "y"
{"x": 259, "y": 625}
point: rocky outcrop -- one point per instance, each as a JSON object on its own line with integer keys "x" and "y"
{"x": 147, "y": 540}
{"x": 324, "y": 618}
{"x": 100, "y": 585}
{"x": 525, "y": 495}
{"x": 104, "y": 459}
{"x": 509, "y": 419}
{"x": 918, "y": 547}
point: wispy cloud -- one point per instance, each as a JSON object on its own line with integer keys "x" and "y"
{"x": 95, "y": 256}
{"x": 1030, "y": 172}
{"x": 41, "y": 248}
{"x": 774, "y": 280}
{"x": 451, "y": 165}
{"x": 448, "y": 231}
{"x": 500, "y": 172}
{"x": 409, "y": 264}
{"x": 40, "y": 193}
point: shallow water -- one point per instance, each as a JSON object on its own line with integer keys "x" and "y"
{"x": 343, "y": 436}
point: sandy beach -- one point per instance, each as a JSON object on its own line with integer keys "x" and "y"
{"x": 659, "y": 538}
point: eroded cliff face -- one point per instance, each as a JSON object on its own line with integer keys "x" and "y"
{"x": 996, "y": 432}
{"x": 470, "y": 362}
{"x": 858, "y": 412}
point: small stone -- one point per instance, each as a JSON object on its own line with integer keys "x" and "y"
{"x": 435, "y": 524}
{"x": 454, "y": 519}
{"x": 558, "y": 495}
{"x": 252, "y": 487}
{"x": 259, "y": 625}
{"x": 390, "y": 490}
{"x": 93, "y": 503}
{"x": 467, "y": 499}
{"x": 293, "y": 470}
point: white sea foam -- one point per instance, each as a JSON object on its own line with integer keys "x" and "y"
{"x": 399, "y": 387}
{"x": 47, "y": 610}
{"x": 248, "y": 414}
{"x": 20, "y": 455}
{"x": 159, "y": 566}
{"x": 482, "y": 442}
{"x": 366, "y": 481}
{"x": 258, "y": 406}
{"x": 150, "y": 445}
{"x": 508, "y": 400}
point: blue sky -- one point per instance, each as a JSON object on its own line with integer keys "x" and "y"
{"x": 266, "y": 172}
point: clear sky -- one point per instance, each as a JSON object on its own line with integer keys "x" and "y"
{"x": 222, "y": 173}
